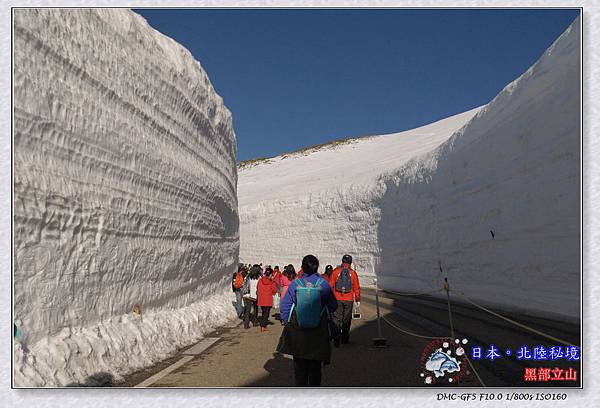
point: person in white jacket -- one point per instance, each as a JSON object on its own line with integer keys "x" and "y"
{"x": 250, "y": 297}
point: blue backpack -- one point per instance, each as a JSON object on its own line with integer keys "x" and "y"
{"x": 308, "y": 304}
{"x": 344, "y": 282}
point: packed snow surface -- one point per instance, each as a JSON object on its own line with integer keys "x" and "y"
{"x": 324, "y": 202}
{"x": 124, "y": 194}
{"x": 488, "y": 198}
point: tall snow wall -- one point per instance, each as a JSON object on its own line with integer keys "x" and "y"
{"x": 418, "y": 206}
{"x": 124, "y": 194}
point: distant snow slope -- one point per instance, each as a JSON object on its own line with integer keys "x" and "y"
{"x": 124, "y": 194}
{"x": 325, "y": 202}
{"x": 406, "y": 204}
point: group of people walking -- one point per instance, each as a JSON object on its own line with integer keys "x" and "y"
{"x": 257, "y": 288}
{"x": 315, "y": 309}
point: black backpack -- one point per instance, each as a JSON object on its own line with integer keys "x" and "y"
{"x": 344, "y": 283}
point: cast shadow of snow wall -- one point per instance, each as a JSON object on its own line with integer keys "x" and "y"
{"x": 496, "y": 208}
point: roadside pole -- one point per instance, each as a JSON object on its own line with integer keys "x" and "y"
{"x": 379, "y": 341}
{"x": 447, "y": 289}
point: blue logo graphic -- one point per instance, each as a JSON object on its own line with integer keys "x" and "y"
{"x": 440, "y": 363}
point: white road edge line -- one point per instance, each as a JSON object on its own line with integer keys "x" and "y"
{"x": 164, "y": 372}
{"x": 200, "y": 347}
{"x": 189, "y": 355}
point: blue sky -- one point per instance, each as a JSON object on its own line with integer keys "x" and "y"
{"x": 295, "y": 78}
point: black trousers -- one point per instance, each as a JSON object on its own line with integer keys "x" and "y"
{"x": 343, "y": 319}
{"x": 250, "y": 312}
{"x": 307, "y": 372}
{"x": 266, "y": 310}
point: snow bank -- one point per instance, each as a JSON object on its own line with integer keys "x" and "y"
{"x": 120, "y": 344}
{"x": 324, "y": 202}
{"x": 497, "y": 206}
{"x": 124, "y": 194}
{"x": 405, "y": 204}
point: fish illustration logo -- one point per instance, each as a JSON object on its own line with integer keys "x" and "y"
{"x": 444, "y": 360}
{"x": 440, "y": 363}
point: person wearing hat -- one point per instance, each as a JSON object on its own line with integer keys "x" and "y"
{"x": 346, "y": 288}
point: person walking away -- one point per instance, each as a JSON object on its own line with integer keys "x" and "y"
{"x": 327, "y": 274}
{"x": 266, "y": 289}
{"x": 285, "y": 280}
{"x": 250, "y": 297}
{"x": 277, "y": 275}
{"x": 305, "y": 311}
{"x": 237, "y": 282}
{"x": 292, "y": 270}
{"x": 277, "y": 278}
{"x": 346, "y": 289}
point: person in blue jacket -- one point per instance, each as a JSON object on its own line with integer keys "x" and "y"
{"x": 310, "y": 347}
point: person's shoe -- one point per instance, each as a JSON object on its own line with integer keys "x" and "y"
{"x": 263, "y": 329}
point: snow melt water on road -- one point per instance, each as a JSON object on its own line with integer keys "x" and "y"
{"x": 124, "y": 194}
{"x": 488, "y": 198}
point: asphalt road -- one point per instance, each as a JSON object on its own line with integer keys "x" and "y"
{"x": 429, "y": 315}
{"x": 247, "y": 358}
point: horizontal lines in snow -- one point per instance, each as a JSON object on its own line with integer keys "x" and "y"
{"x": 96, "y": 91}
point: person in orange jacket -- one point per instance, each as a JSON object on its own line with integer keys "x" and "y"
{"x": 346, "y": 288}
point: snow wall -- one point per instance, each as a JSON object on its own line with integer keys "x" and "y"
{"x": 407, "y": 204}
{"x": 124, "y": 194}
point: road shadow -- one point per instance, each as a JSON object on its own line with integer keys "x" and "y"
{"x": 428, "y": 315}
{"x": 358, "y": 363}
{"x": 101, "y": 379}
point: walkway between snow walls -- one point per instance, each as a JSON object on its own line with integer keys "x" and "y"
{"x": 124, "y": 195}
{"x": 118, "y": 202}
{"x": 489, "y": 198}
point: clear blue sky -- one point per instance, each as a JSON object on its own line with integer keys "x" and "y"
{"x": 295, "y": 78}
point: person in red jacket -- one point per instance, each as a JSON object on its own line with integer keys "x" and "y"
{"x": 345, "y": 285}
{"x": 266, "y": 289}
{"x": 277, "y": 277}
